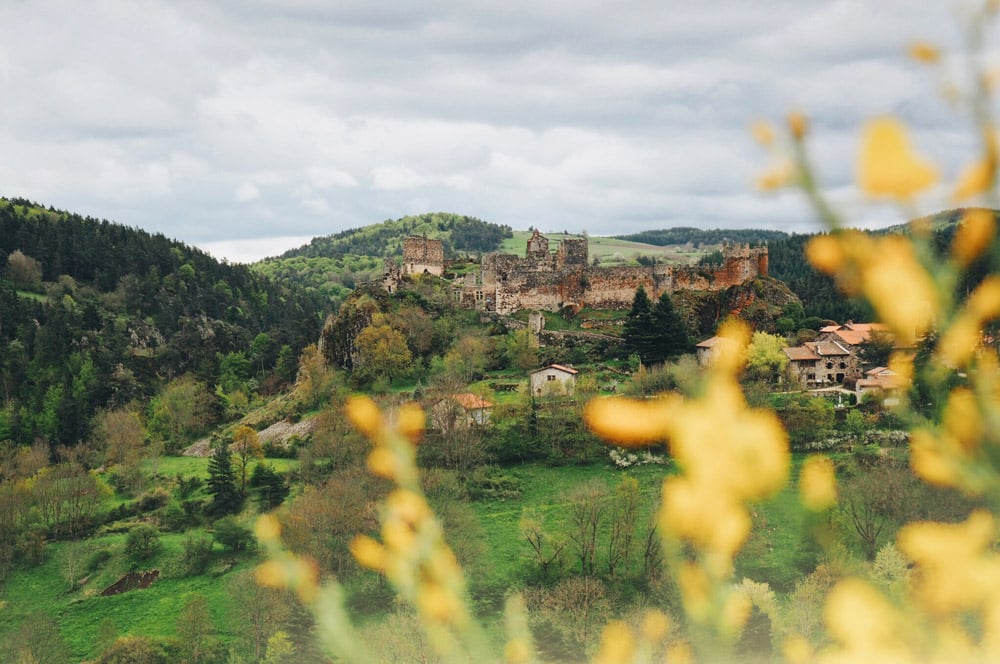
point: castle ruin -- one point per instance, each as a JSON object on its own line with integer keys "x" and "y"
{"x": 543, "y": 280}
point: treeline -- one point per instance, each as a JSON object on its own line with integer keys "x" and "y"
{"x": 95, "y": 315}
{"x": 700, "y": 236}
{"x": 458, "y": 233}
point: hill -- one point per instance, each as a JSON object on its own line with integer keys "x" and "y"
{"x": 697, "y": 236}
{"x": 95, "y": 315}
{"x": 458, "y": 233}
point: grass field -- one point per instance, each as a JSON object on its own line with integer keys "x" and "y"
{"x": 775, "y": 553}
{"x": 170, "y": 466}
{"x": 609, "y": 251}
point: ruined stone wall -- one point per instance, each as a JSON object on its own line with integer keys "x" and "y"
{"x": 541, "y": 281}
{"x": 421, "y": 254}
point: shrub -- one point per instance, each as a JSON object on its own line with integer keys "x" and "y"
{"x": 230, "y": 534}
{"x": 197, "y": 554}
{"x": 142, "y": 542}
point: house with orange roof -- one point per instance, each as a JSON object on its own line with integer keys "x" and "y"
{"x": 460, "y": 410}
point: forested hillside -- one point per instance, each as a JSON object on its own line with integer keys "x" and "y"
{"x": 698, "y": 236}
{"x": 95, "y": 315}
{"x": 458, "y": 233}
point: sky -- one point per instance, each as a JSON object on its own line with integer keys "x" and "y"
{"x": 247, "y": 127}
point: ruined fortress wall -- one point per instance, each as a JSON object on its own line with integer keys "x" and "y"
{"x": 421, "y": 254}
{"x": 542, "y": 281}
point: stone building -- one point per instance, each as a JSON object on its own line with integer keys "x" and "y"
{"x": 553, "y": 379}
{"x": 422, "y": 255}
{"x": 548, "y": 281}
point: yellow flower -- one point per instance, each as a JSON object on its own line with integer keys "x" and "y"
{"x": 859, "y": 617}
{"x": 957, "y": 572}
{"x": 781, "y": 174}
{"x": 364, "y": 415}
{"x": 438, "y": 603}
{"x": 629, "y": 422}
{"x": 368, "y": 552}
{"x": 268, "y": 528}
{"x": 762, "y": 132}
{"x": 796, "y": 650}
{"x": 735, "y": 612}
{"x": 408, "y": 506}
{"x": 962, "y": 421}
{"x": 517, "y": 651}
{"x": 826, "y": 253}
{"x": 924, "y": 52}
{"x": 977, "y": 178}
{"x": 270, "y": 574}
{"x": 655, "y": 626}
{"x": 694, "y": 585}
{"x": 798, "y": 125}
{"x": 410, "y": 421}
{"x": 617, "y": 644}
{"x": 929, "y": 462}
{"x": 901, "y": 291}
{"x": 383, "y": 463}
{"x": 888, "y": 167}
{"x": 817, "y": 483}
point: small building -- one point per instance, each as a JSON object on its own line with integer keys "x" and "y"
{"x": 880, "y": 380}
{"x": 707, "y": 350}
{"x": 802, "y": 361}
{"x": 553, "y": 379}
{"x": 460, "y": 410}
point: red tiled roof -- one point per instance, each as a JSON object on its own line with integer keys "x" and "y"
{"x": 800, "y": 354}
{"x": 827, "y": 348}
{"x": 470, "y": 401}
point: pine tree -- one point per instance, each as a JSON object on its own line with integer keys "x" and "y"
{"x": 670, "y": 333}
{"x": 268, "y": 486}
{"x": 222, "y": 483}
{"x": 639, "y": 327}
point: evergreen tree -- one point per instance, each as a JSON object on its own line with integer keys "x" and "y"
{"x": 639, "y": 334}
{"x": 222, "y": 483}
{"x": 669, "y": 331}
{"x": 268, "y": 487}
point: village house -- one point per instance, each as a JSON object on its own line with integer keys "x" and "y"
{"x": 833, "y": 357}
{"x": 553, "y": 379}
{"x": 707, "y": 350}
{"x": 460, "y": 410}
{"x": 882, "y": 381}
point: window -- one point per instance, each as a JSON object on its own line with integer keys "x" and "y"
{"x": 550, "y": 377}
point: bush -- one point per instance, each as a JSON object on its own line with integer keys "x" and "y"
{"x": 197, "y": 554}
{"x": 142, "y": 542}
{"x": 493, "y": 483}
{"x": 231, "y": 535}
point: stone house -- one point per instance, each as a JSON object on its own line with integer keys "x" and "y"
{"x": 459, "y": 411}
{"x": 881, "y": 380}
{"x": 707, "y": 350}
{"x": 553, "y": 379}
{"x": 820, "y": 363}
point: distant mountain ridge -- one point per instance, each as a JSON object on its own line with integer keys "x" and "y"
{"x": 697, "y": 236}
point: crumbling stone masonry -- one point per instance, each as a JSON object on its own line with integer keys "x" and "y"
{"x": 543, "y": 280}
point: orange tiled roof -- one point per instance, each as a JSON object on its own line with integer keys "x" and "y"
{"x": 800, "y": 354}
{"x": 470, "y": 401}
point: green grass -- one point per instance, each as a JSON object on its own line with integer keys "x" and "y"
{"x": 609, "y": 251}
{"x": 152, "y": 611}
{"x": 545, "y": 487}
{"x": 170, "y": 466}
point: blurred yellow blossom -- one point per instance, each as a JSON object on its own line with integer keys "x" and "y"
{"x": 818, "y": 483}
{"x": 888, "y": 167}
{"x": 798, "y": 125}
{"x": 861, "y": 619}
{"x": 410, "y": 421}
{"x": 363, "y": 414}
{"x": 781, "y": 174}
{"x": 368, "y": 552}
{"x": 268, "y": 528}
{"x": 630, "y": 422}
{"x": 617, "y": 644}
{"x": 974, "y": 235}
{"x": 762, "y": 132}
{"x": 924, "y": 52}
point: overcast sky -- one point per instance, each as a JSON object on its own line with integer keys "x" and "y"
{"x": 249, "y": 126}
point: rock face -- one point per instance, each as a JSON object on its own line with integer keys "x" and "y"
{"x": 758, "y": 302}
{"x": 131, "y": 581}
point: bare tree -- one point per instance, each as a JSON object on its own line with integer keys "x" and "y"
{"x": 586, "y": 514}
{"x": 546, "y": 548}
{"x": 624, "y": 511}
